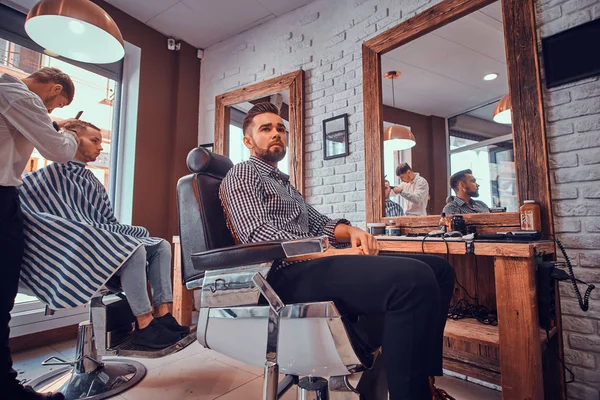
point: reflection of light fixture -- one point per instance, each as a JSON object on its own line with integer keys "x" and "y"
{"x": 490, "y": 77}
{"x": 398, "y": 137}
{"x": 76, "y": 29}
{"x": 502, "y": 114}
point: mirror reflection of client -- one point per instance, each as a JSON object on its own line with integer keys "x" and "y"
{"x": 414, "y": 188}
{"x": 74, "y": 244}
{"x": 392, "y": 209}
{"x": 466, "y": 188}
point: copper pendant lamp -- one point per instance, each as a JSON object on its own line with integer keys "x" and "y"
{"x": 503, "y": 113}
{"x": 397, "y": 136}
{"x": 75, "y": 29}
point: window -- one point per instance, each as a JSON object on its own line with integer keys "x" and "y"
{"x": 492, "y": 163}
{"x": 94, "y": 95}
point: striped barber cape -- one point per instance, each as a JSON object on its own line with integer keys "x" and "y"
{"x": 73, "y": 241}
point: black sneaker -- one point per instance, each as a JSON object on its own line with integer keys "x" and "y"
{"x": 169, "y": 322}
{"x": 155, "y": 336}
{"x": 27, "y": 393}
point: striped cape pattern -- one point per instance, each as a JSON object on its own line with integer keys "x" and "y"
{"x": 73, "y": 241}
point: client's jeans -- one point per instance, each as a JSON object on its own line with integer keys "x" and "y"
{"x": 134, "y": 276}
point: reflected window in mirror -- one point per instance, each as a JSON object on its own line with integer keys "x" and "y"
{"x": 238, "y": 152}
{"x": 478, "y": 143}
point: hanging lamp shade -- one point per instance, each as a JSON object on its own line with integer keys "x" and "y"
{"x": 503, "y": 113}
{"x": 76, "y": 29}
{"x": 398, "y": 137}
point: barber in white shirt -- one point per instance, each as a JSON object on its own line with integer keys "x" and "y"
{"x": 25, "y": 124}
{"x": 414, "y": 188}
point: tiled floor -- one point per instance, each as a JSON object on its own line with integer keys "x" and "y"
{"x": 200, "y": 374}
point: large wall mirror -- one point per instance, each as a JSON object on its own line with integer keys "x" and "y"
{"x": 286, "y": 93}
{"x": 437, "y": 93}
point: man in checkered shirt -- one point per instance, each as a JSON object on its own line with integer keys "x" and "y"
{"x": 411, "y": 293}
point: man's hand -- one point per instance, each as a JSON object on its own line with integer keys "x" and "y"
{"x": 75, "y": 135}
{"x": 357, "y": 238}
{"x": 397, "y": 189}
{"x": 61, "y": 124}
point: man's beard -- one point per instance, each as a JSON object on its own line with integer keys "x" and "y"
{"x": 48, "y": 100}
{"x": 474, "y": 194}
{"x": 272, "y": 154}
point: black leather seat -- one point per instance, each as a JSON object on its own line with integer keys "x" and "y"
{"x": 206, "y": 242}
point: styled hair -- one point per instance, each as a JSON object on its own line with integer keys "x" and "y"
{"x": 402, "y": 169}
{"x": 76, "y": 125}
{"x": 460, "y": 176}
{"x": 55, "y": 75}
{"x": 257, "y": 109}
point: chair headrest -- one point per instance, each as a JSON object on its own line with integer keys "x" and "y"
{"x": 200, "y": 160}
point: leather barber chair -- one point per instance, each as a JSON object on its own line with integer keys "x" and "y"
{"x": 107, "y": 333}
{"x": 307, "y": 342}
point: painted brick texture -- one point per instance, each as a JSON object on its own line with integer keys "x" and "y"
{"x": 324, "y": 38}
{"x": 573, "y": 127}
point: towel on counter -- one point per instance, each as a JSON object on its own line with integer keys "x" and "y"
{"x": 73, "y": 241}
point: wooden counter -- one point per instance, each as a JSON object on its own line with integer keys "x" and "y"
{"x": 502, "y": 276}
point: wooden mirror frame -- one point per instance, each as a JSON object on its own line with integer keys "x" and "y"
{"x": 529, "y": 134}
{"x": 294, "y": 82}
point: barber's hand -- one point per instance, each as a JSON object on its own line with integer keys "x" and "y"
{"x": 62, "y": 123}
{"x": 363, "y": 240}
{"x": 397, "y": 189}
{"x": 75, "y": 135}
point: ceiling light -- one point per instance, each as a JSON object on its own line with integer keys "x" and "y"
{"x": 490, "y": 77}
{"x": 76, "y": 29}
{"x": 397, "y": 137}
{"x": 502, "y": 113}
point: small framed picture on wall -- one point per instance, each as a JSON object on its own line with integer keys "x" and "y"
{"x": 335, "y": 137}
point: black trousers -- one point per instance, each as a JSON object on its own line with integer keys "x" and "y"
{"x": 11, "y": 254}
{"x": 405, "y": 298}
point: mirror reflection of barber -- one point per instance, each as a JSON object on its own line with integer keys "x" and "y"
{"x": 466, "y": 188}
{"x": 414, "y": 189}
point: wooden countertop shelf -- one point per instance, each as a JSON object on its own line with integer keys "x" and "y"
{"x": 471, "y": 330}
{"x": 482, "y": 248}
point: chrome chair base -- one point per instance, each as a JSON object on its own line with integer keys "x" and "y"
{"x": 310, "y": 388}
{"x": 108, "y": 380}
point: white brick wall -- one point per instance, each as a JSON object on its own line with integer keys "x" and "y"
{"x": 573, "y": 126}
{"x": 324, "y": 38}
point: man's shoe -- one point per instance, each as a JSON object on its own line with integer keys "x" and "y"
{"x": 27, "y": 393}
{"x": 438, "y": 394}
{"x": 171, "y": 323}
{"x": 155, "y": 336}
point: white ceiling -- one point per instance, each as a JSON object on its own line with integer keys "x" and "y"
{"x": 201, "y": 23}
{"x": 442, "y": 72}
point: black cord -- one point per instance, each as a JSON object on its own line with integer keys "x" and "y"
{"x": 560, "y": 359}
{"x": 585, "y": 302}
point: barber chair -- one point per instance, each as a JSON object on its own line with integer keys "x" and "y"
{"x": 107, "y": 333}
{"x": 307, "y": 342}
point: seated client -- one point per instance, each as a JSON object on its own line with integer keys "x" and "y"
{"x": 392, "y": 209}
{"x": 466, "y": 188}
{"x": 74, "y": 244}
{"x": 412, "y": 294}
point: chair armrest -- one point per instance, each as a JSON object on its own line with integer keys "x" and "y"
{"x": 256, "y": 253}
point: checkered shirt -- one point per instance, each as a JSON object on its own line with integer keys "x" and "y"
{"x": 459, "y": 206}
{"x": 260, "y": 205}
{"x": 393, "y": 209}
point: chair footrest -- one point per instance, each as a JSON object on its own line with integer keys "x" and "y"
{"x": 128, "y": 349}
